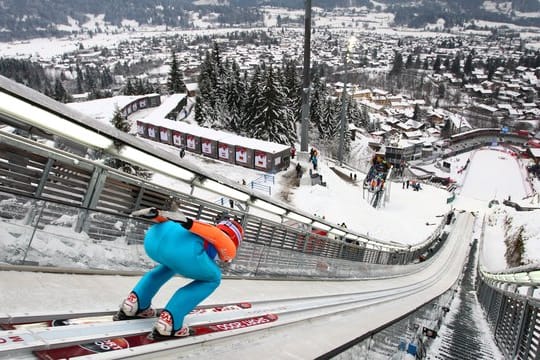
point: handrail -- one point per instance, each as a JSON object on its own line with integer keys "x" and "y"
{"x": 129, "y": 148}
{"x": 514, "y": 276}
{"x": 90, "y": 189}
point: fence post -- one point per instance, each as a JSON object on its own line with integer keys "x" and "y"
{"x": 521, "y": 329}
{"x": 33, "y": 233}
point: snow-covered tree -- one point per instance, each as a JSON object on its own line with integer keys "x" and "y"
{"x": 235, "y": 98}
{"x": 397, "y": 65}
{"x": 122, "y": 124}
{"x": 319, "y": 94}
{"x": 456, "y": 65}
{"x": 293, "y": 87}
{"x": 175, "y": 81}
{"x": 60, "y": 93}
{"x": 269, "y": 118}
{"x": 468, "y": 67}
{"x": 329, "y": 126}
{"x": 437, "y": 64}
{"x": 206, "y": 101}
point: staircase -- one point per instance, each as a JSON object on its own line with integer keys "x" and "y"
{"x": 463, "y": 337}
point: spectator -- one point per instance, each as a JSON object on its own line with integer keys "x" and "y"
{"x": 314, "y": 162}
{"x": 312, "y": 154}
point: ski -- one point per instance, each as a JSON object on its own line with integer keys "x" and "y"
{"x": 78, "y": 320}
{"x": 106, "y": 345}
{"x": 205, "y": 309}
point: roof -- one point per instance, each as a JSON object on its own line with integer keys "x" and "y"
{"x": 167, "y": 106}
{"x": 103, "y": 109}
{"x": 535, "y": 152}
{"x": 413, "y": 134}
{"x": 217, "y": 135}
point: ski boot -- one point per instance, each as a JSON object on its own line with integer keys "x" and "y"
{"x": 163, "y": 329}
{"x": 129, "y": 310}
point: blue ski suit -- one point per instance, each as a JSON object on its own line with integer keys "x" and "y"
{"x": 178, "y": 251}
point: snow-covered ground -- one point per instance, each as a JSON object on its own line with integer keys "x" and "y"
{"x": 409, "y": 216}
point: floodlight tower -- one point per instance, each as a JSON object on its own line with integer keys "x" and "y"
{"x": 304, "y": 137}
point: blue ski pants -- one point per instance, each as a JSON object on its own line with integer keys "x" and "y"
{"x": 178, "y": 251}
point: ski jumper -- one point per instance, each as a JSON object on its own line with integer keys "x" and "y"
{"x": 182, "y": 251}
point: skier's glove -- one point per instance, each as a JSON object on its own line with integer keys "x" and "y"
{"x": 159, "y": 216}
{"x": 146, "y": 213}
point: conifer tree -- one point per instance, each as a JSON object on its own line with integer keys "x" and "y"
{"x": 252, "y": 100}
{"x": 129, "y": 89}
{"x": 416, "y": 114}
{"x": 329, "y": 126}
{"x": 437, "y": 64}
{"x": 468, "y": 66}
{"x": 140, "y": 87}
{"x": 293, "y": 88}
{"x": 456, "y": 67}
{"x": 175, "y": 81}
{"x": 364, "y": 118}
{"x": 397, "y": 65}
{"x": 270, "y": 119}
{"x": 330, "y": 129}
{"x": 122, "y": 124}
{"x": 205, "y": 105}
{"x": 318, "y": 99}
{"x": 235, "y": 99}
{"x": 205, "y": 110}
{"x": 90, "y": 79}
{"x": 80, "y": 80}
{"x": 354, "y": 113}
{"x": 60, "y": 93}
{"x": 409, "y": 62}
{"x": 106, "y": 78}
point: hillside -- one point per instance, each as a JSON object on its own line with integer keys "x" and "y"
{"x": 26, "y": 19}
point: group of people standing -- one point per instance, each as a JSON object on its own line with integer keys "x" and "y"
{"x": 313, "y": 159}
{"x": 412, "y": 183}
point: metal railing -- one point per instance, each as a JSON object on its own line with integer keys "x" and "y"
{"x": 43, "y": 119}
{"x": 46, "y": 190}
{"x": 511, "y": 309}
{"x": 37, "y": 169}
{"x": 513, "y": 318}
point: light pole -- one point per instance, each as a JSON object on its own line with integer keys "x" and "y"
{"x": 350, "y": 43}
{"x": 307, "y": 79}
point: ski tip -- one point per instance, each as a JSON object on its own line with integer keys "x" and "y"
{"x": 245, "y": 305}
